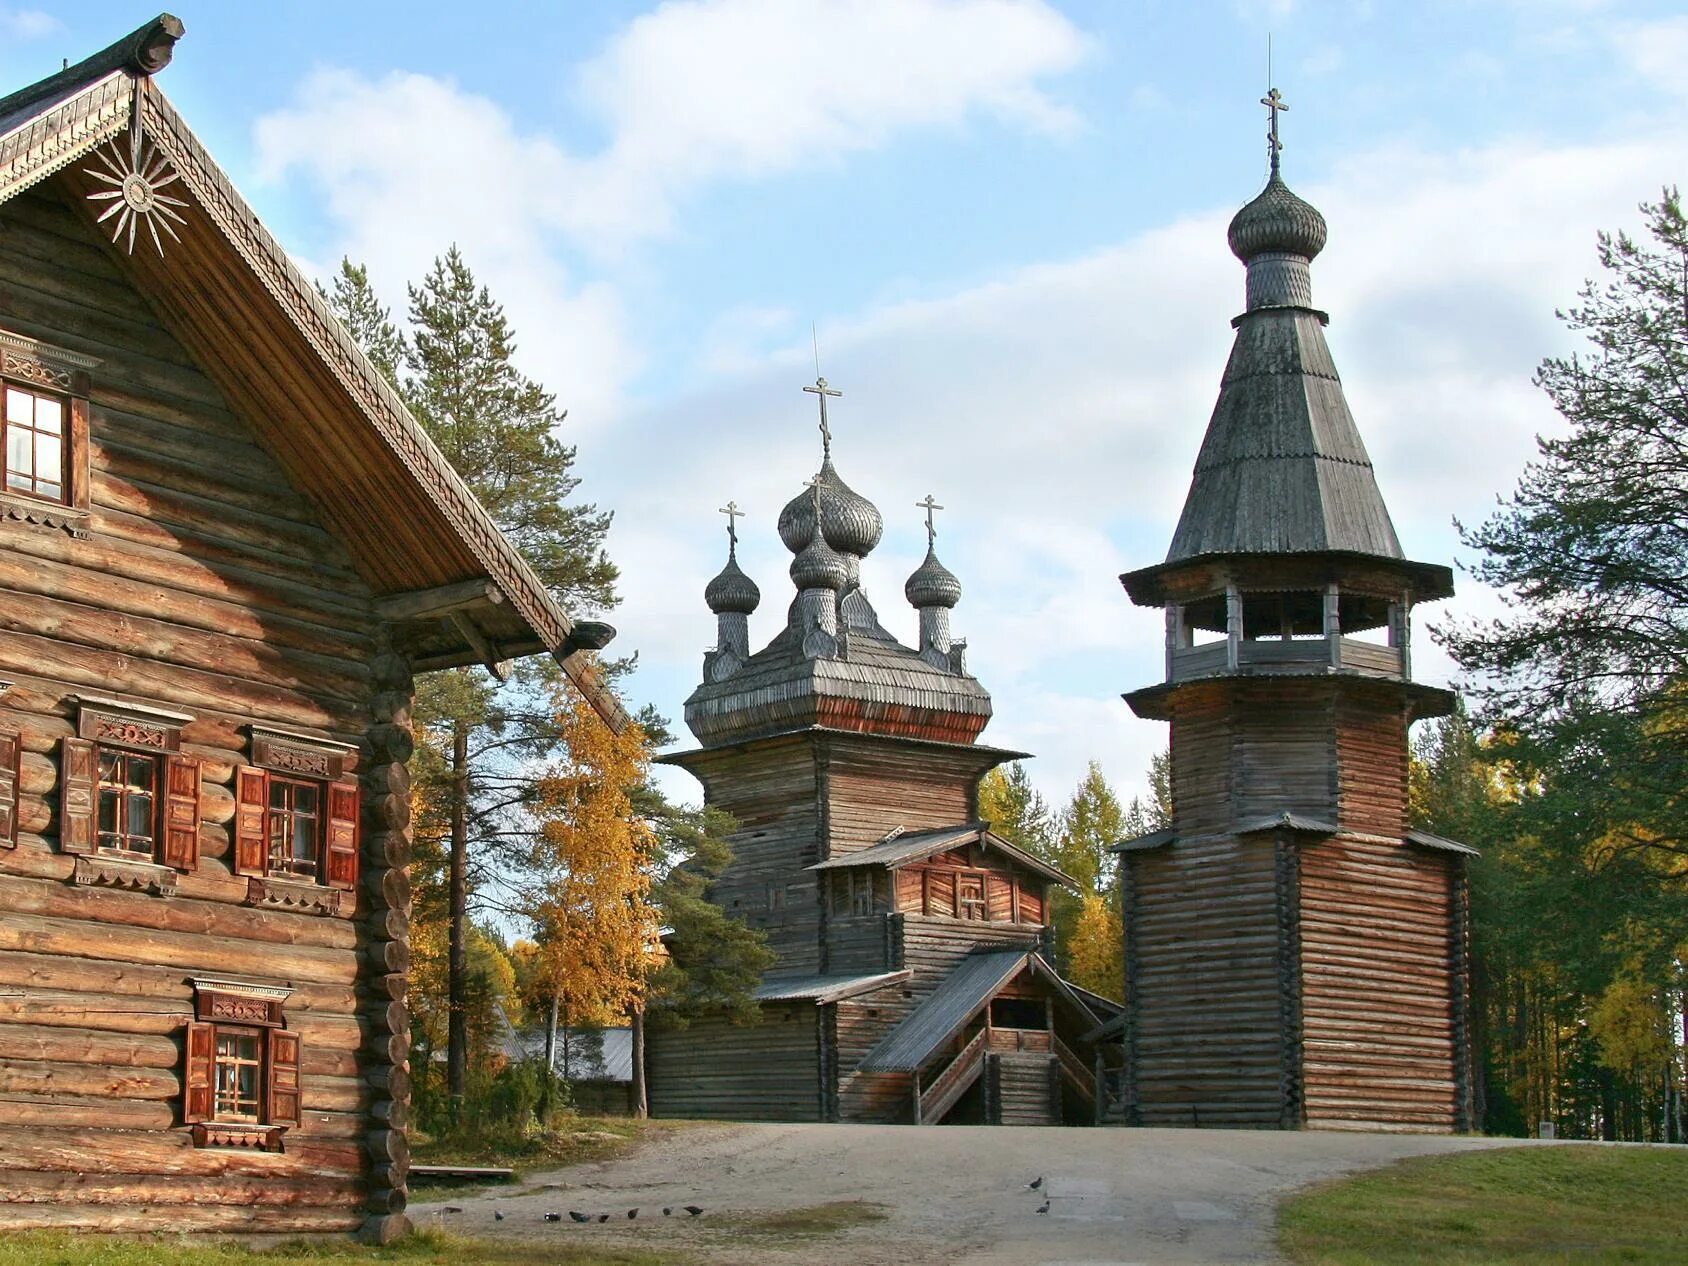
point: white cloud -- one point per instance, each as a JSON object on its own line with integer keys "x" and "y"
{"x": 701, "y": 90}
{"x": 1658, "y": 51}
{"x": 28, "y": 24}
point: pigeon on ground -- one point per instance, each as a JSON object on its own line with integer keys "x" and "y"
{"x": 1044, "y": 1207}
{"x": 553, "y": 1217}
{"x": 668, "y": 1211}
{"x": 693, "y": 1210}
{"x": 1035, "y": 1183}
{"x": 631, "y": 1214}
{"x": 498, "y": 1215}
{"x": 603, "y": 1217}
{"x": 578, "y": 1217}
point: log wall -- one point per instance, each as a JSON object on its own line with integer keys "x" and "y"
{"x": 1378, "y": 988}
{"x": 207, "y": 585}
{"x": 1205, "y": 1046}
{"x": 730, "y": 1072}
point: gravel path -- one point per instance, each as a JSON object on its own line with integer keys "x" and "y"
{"x": 952, "y": 1194}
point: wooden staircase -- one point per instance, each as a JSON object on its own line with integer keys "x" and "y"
{"x": 937, "y": 1097}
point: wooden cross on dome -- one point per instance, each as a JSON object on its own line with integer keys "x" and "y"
{"x": 732, "y": 512}
{"x": 929, "y": 505}
{"x": 1275, "y": 105}
{"x": 823, "y": 391}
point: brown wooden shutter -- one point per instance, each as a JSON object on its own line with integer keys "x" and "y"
{"x": 11, "y": 752}
{"x": 198, "y": 1099}
{"x": 78, "y": 796}
{"x": 340, "y": 861}
{"x": 283, "y": 1078}
{"x": 181, "y": 813}
{"x": 252, "y": 802}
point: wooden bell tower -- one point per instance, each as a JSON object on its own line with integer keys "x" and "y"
{"x": 1295, "y": 953}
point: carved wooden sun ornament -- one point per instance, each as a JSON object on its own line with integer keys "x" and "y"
{"x": 138, "y": 175}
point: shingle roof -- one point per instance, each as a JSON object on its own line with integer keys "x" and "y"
{"x": 913, "y": 846}
{"x": 823, "y": 988}
{"x": 973, "y": 983}
{"x": 1424, "y": 839}
{"x": 780, "y": 688}
{"x": 1282, "y": 468}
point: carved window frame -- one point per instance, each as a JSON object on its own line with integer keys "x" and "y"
{"x": 43, "y": 369}
{"x": 240, "y": 1009}
{"x": 290, "y": 757}
{"x": 106, "y": 727}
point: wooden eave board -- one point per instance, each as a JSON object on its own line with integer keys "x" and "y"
{"x": 259, "y": 330}
{"x": 915, "y": 846}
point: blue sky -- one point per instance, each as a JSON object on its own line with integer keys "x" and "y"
{"x": 1006, "y": 217}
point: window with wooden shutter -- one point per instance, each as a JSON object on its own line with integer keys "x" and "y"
{"x": 252, "y": 798}
{"x": 11, "y": 756}
{"x": 180, "y": 833}
{"x": 199, "y": 1080}
{"x": 284, "y": 1078}
{"x": 78, "y": 785}
{"x": 340, "y": 860}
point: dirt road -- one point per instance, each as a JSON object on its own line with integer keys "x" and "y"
{"x": 940, "y": 1195}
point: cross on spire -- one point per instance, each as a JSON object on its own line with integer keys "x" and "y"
{"x": 1275, "y": 105}
{"x": 732, "y": 512}
{"x": 929, "y": 505}
{"x": 823, "y": 391}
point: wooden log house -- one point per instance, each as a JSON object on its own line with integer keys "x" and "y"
{"x": 1295, "y": 952}
{"x": 912, "y": 981}
{"x": 225, "y": 550}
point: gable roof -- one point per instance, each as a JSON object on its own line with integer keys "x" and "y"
{"x": 958, "y": 998}
{"x": 824, "y": 988}
{"x": 914, "y": 846}
{"x": 453, "y": 586}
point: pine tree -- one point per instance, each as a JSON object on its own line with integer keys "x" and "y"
{"x": 1590, "y": 663}
{"x": 367, "y": 320}
{"x": 480, "y": 744}
{"x": 1015, "y": 809}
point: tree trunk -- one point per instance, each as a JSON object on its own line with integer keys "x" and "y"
{"x": 548, "y": 1086}
{"x": 457, "y": 1024}
{"x": 636, "y": 1017}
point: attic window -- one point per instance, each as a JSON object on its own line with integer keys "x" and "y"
{"x": 44, "y": 465}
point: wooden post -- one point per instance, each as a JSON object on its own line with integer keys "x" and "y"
{"x": 1333, "y": 624}
{"x": 1233, "y": 625}
{"x": 1174, "y": 636}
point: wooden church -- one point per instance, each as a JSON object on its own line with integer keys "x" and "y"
{"x": 912, "y": 983}
{"x": 225, "y": 548}
{"x": 1295, "y": 952}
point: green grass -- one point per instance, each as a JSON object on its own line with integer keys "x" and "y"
{"x": 815, "y": 1219}
{"x": 425, "y": 1248}
{"x": 1541, "y": 1205}
{"x": 570, "y": 1140}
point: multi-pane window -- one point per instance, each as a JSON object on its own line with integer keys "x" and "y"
{"x": 238, "y": 1074}
{"x": 128, "y": 797}
{"x": 294, "y": 824}
{"x": 34, "y": 428}
{"x": 970, "y": 897}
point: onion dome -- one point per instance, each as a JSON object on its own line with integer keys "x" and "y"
{"x": 849, "y": 521}
{"x": 732, "y": 590}
{"x": 1278, "y": 221}
{"x": 819, "y": 566}
{"x": 932, "y": 584}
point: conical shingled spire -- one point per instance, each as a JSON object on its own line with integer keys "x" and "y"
{"x": 1282, "y": 468}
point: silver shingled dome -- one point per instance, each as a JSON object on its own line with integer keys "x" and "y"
{"x": 1277, "y": 220}
{"x": 732, "y": 590}
{"x": 932, "y": 584}
{"x": 819, "y": 566}
{"x": 849, "y": 521}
